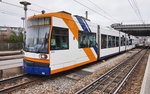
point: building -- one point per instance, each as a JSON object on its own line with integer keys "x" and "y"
{"x": 5, "y": 32}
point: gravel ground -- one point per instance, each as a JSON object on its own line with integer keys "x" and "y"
{"x": 64, "y": 85}
{"x": 13, "y": 82}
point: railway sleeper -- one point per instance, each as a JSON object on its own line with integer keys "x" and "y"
{"x": 106, "y": 91}
{"x": 113, "y": 85}
{"x": 119, "y": 77}
{"x": 116, "y": 81}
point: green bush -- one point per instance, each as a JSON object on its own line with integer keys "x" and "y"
{"x": 15, "y": 38}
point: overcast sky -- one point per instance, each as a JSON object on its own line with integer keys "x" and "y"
{"x": 120, "y": 10}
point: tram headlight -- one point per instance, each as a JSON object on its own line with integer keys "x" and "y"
{"x": 43, "y": 56}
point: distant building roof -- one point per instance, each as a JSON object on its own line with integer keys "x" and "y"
{"x": 3, "y": 30}
{"x": 9, "y": 27}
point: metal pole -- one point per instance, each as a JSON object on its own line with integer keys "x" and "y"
{"x": 125, "y": 41}
{"x": 23, "y": 24}
{"x": 25, "y": 3}
{"x": 119, "y": 41}
{"x": 23, "y": 19}
{"x": 98, "y": 32}
{"x": 86, "y": 13}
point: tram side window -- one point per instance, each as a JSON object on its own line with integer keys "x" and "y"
{"x": 117, "y": 41}
{"x": 59, "y": 38}
{"x": 113, "y": 41}
{"x": 83, "y": 39}
{"x": 92, "y": 39}
{"x": 109, "y": 41}
{"x": 103, "y": 41}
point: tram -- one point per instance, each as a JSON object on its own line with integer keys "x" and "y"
{"x": 59, "y": 41}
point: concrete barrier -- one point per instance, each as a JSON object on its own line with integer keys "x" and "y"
{"x": 11, "y": 72}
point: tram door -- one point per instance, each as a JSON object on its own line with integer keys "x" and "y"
{"x": 59, "y": 47}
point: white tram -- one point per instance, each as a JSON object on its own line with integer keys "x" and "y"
{"x": 56, "y": 42}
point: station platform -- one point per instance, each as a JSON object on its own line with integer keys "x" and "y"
{"x": 9, "y": 57}
{"x": 145, "y": 89}
{"x": 5, "y": 53}
{"x": 6, "y": 64}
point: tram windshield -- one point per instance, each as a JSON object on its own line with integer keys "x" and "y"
{"x": 37, "y": 39}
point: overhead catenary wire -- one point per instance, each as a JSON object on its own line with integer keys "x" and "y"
{"x": 3, "y": 12}
{"x": 41, "y": 7}
{"x": 10, "y": 12}
{"x": 138, "y": 10}
{"x": 102, "y": 10}
{"x": 19, "y": 6}
{"x": 135, "y": 8}
{"x": 95, "y": 11}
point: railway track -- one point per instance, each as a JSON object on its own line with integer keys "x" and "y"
{"x": 111, "y": 82}
{"x": 11, "y": 84}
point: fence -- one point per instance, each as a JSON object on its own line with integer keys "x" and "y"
{"x": 10, "y": 46}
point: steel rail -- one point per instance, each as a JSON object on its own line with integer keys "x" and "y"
{"x": 14, "y": 87}
{"x": 112, "y": 80}
{"x": 15, "y": 77}
{"x": 90, "y": 86}
{"x": 11, "y": 88}
{"x": 125, "y": 78}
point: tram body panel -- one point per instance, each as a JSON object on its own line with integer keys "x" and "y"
{"x": 58, "y": 22}
{"x": 131, "y": 42}
{"x": 122, "y": 46}
{"x": 108, "y": 51}
{"x": 62, "y": 59}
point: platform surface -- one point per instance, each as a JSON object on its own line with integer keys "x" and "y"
{"x": 11, "y": 63}
{"x": 11, "y": 57}
{"x": 145, "y": 89}
{"x": 3, "y": 53}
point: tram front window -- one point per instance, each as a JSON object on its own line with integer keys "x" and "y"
{"x": 37, "y": 39}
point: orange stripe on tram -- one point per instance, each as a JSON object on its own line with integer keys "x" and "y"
{"x": 74, "y": 29}
{"x": 37, "y": 60}
{"x": 69, "y": 67}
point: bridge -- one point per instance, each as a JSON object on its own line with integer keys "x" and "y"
{"x": 134, "y": 29}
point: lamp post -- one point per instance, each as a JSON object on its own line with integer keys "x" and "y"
{"x": 25, "y": 3}
{"x": 23, "y": 18}
{"x": 23, "y": 31}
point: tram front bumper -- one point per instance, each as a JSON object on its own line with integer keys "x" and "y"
{"x": 36, "y": 68}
